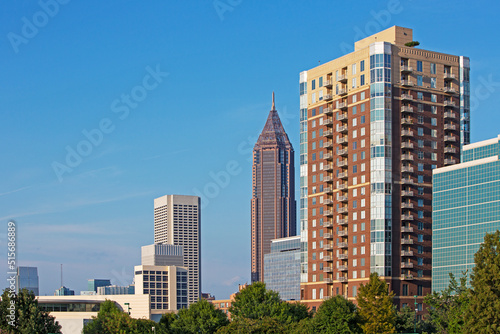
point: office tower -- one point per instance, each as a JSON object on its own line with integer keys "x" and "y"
{"x": 466, "y": 206}
{"x": 162, "y": 255}
{"x": 374, "y": 124}
{"x": 282, "y": 267}
{"x": 177, "y": 222}
{"x": 273, "y": 197}
{"x": 64, "y": 291}
{"x": 94, "y": 284}
{"x": 27, "y": 278}
{"x": 116, "y": 290}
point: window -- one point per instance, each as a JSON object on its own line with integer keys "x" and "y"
{"x": 320, "y": 81}
{"x": 362, "y": 107}
{"x": 434, "y": 156}
{"x": 362, "y": 96}
{"x": 420, "y": 167}
{"x": 419, "y": 66}
{"x": 314, "y": 145}
{"x": 420, "y": 202}
{"x": 420, "y": 190}
{"x": 420, "y": 96}
{"x": 353, "y": 82}
{"x": 434, "y": 109}
{"x": 363, "y": 154}
{"x": 405, "y": 290}
{"x": 420, "y": 226}
{"x": 355, "y": 239}
{"x": 354, "y": 145}
{"x": 419, "y": 290}
{"x": 355, "y": 263}
{"x": 420, "y": 143}
{"x": 362, "y": 226}
{"x": 420, "y": 273}
{"x": 434, "y": 145}
{"x": 362, "y": 121}
{"x": 433, "y": 82}
{"x": 313, "y": 98}
{"x": 420, "y": 119}
{"x": 420, "y": 131}
{"x": 420, "y": 249}
{"x": 353, "y": 69}
{"x": 354, "y": 121}
{"x": 420, "y": 261}
{"x": 419, "y": 80}
{"x": 420, "y": 179}
{"x": 354, "y": 157}
{"x": 420, "y": 154}
{"x": 362, "y": 249}
{"x": 420, "y": 214}
{"x": 434, "y": 121}
{"x": 313, "y": 85}
{"x": 433, "y": 68}
{"x": 420, "y": 238}
{"x": 362, "y": 80}
{"x": 362, "y": 66}
{"x": 354, "y": 109}
{"x": 433, "y": 98}
{"x": 434, "y": 133}
{"x": 420, "y": 107}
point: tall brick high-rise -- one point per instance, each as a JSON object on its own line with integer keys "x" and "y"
{"x": 374, "y": 124}
{"x": 273, "y": 197}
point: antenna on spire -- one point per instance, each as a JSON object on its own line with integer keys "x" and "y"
{"x": 61, "y": 276}
{"x": 273, "y": 103}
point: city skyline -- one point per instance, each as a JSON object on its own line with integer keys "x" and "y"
{"x": 67, "y": 76}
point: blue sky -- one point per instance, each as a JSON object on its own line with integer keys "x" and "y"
{"x": 216, "y": 65}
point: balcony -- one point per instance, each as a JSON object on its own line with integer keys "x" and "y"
{"x": 406, "y": 229}
{"x": 342, "y": 279}
{"x": 328, "y": 247}
{"x": 342, "y": 233}
{"x": 328, "y": 224}
{"x": 407, "y": 193}
{"x": 328, "y": 235}
{"x": 407, "y": 169}
{"x": 450, "y": 138}
{"x": 342, "y": 105}
{"x": 449, "y": 76}
{"x": 328, "y": 133}
{"x": 328, "y": 167}
{"x": 328, "y": 190}
{"x": 327, "y": 111}
{"x": 328, "y": 213}
{"x": 328, "y": 156}
{"x": 407, "y": 83}
{"x": 408, "y": 277}
{"x": 343, "y": 245}
{"x": 328, "y": 122}
{"x": 407, "y": 205}
{"x": 405, "y": 241}
{"x": 449, "y": 103}
{"x": 406, "y": 144}
{"x": 450, "y": 149}
{"x": 342, "y": 268}
{"x": 406, "y": 180}
{"x": 405, "y": 265}
{"x": 449, "y": 161}
{"x": 343, "y": 175}
{"x": 450, "y": 127}
{"x": 406, "y": 217}
{"x": 343, "y": 152}
{"x": 342, "y": 117}
{"x": 343, "y": 209}
{"x": 343, "y": 222}
{"x": 327, "y": 258}
{"x": 342, "y": 198}
{"x": 328, "y": 144}
{"x": 406, "y": 97}
{"x": 407, "y": 109}
{"x": 406, "y": 120}
{"x": 342, "y": 140}
{"x": 406, "y": 253}
{"x": 450, "y": 90}
{"x": 406, "y": 69}
{"x": 328, "y": 83}
{"x": 342, "y": 78}
{"x": 449, "y": 114}
{"x": 342, "y": 129}
{"x": 343, "y": 91}
{"x": 342, "y": 256}
{"x": 328, "y": 281}
{"x": 342, "y": 163}
{"x": 327, "y": 97}
{"x": 327, "y": 269}
{"x": 407, "y": 157}
{"x": 328, "y": 202}
{"x": 406, "y": 133}
{"x": 342, "y": 186}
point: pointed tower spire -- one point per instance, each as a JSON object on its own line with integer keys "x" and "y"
{"x": 273, "y": 103}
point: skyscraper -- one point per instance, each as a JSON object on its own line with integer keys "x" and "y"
{"x": 374, "y": 124}
{"x": 27, "y": 278}
{"x": 466, "y": 206}
{"x": 177, "y": 222}
{"x": 273, "y": 197}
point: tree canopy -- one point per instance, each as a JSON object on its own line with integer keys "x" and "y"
{"x": 337, "y": 315}
{"x": 201, "y": 317}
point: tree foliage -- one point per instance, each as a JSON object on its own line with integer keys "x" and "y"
{"x": 376, "y": 307}
{"x": 405, "y": 322}
{"x": 448, "y": 307}
{"x": 266, "y": 325}
{"x": 110, "y": 320}
{"x": 483, "y": 314}
{"x": 337, "y": 315}
{"x": 27, "y": 317}
{"x": 201, "y": 317}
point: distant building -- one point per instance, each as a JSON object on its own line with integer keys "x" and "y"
{"x": 177, "y": 220}
{"x": 88, "y": 293}
{"x": 207, "y": 296}
{"x": 466, "y": 206}
{"x": 273, "y": 191}
{"x": 116, "y": 290}
{"x": 225, "y": 304}
{"x": 162, "y": 255}
{"x": 27, "y": 278}
{"x": 282, "y": 268}
{"x": 64, "y": 291}
{"x": 93, "y": 284}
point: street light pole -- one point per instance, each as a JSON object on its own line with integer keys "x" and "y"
{"x": 415, "y": 322}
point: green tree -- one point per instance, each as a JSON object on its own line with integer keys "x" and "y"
{"x": 447, "y": 307}
{"x": 405, "y": 322}
{"x": 265, "y": 325}
{"x": 110, "y": 320}
{"x": 28, "y": 317}
{"x": 337, "y": 315}
{"x": 201, "y": 317}
{"x": 255, "y": 302}
{"x": 291, "y": 313}
{"x": 376, "y": 307}
{"x": 483, "y": 315}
